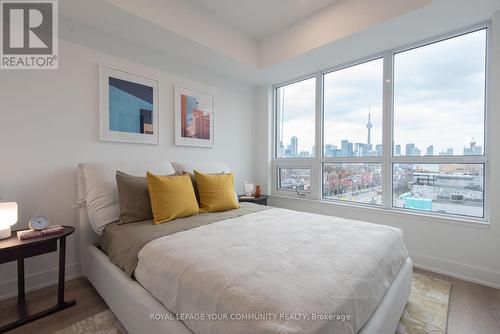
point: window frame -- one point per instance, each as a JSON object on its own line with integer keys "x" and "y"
{"x": 388, "y": 159}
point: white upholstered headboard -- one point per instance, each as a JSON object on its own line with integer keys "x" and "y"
{"x": 86, "y": 234}
{"x": 105, "y": 172}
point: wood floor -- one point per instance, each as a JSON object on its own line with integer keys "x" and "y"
{"x": 474, "y": 309}
{"x": 88, "y": 303}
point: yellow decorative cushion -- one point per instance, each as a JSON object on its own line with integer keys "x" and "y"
{"x": 171, "y": 197}
{"x": 216, "y": 192}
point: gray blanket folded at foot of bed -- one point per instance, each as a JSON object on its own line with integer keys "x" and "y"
{"x": 123, "y": 242}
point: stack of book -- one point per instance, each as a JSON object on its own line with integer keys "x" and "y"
{"x": 246, "y": 197}
{"x": 33, "y": 234}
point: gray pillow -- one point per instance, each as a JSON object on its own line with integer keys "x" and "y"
{"x": 135, "y": 204}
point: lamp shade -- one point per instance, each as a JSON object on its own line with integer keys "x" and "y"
{"x": 8, "y": 214}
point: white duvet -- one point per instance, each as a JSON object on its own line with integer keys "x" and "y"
{"x": 286, "y": 271}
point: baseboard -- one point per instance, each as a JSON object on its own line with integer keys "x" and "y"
{"x": 39, "y": 280}
{"x": 457, "y": 270}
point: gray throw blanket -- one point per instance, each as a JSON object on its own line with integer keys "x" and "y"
{"x": 123, "y": 242}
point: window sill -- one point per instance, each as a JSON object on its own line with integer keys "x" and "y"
{"x": 465, "y": 221}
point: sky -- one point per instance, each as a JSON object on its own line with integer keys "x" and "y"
{"x": 298, "y": 101}
{"x": 438, "y": 99}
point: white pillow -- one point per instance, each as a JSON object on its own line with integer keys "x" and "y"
{"x": 204, "y": 168}
{"x": 101, "y": 192}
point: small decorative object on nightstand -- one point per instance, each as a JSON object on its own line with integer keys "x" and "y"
{"x": 248, "y": 188}
{"x": 257, "y": 192}
{"x": 262, "y": 200}
{"x": 39, "y": 222}
{"x": 13, "y": 249}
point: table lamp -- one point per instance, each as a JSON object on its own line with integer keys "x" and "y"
{"x": 8, "y": 217}
{"x": 248, "y": 188}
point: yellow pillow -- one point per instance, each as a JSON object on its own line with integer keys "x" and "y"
{"x": 216, "y": 192}
{"x": 171, "y": 197}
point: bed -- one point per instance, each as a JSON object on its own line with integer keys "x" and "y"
{"x": 242, "y": 265}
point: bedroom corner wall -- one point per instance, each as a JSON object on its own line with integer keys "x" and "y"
{"x": 49, "y": 124}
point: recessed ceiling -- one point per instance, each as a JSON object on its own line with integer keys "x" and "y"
{"x": 184, "y": 32}
{"x": 260, "y": 18}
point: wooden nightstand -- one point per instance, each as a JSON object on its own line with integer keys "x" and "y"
{"x": 262, "y": 200}
{"x": 13, "y": 249}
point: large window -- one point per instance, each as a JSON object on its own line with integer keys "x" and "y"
{"x": 404, "y": 130}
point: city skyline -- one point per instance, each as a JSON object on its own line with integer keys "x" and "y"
{"x": 351, "y": 149}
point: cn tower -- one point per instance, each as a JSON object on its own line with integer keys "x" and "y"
{"x": 369, "y": 126}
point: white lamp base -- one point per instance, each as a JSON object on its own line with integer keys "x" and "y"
{"x": 5, "y": 233}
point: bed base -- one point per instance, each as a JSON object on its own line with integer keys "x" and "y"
{"x": 133, "y": 305}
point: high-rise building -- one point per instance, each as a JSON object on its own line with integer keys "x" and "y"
{"x": 410, "y": 149}
{"x": 379, "y": 150}
{"x": 397, "y": 150}
{"x": 294, "y": 146}
{"x": 449, "y": 151}
{"x": 206, "y": 126}
{"x": 345, "y": 148}
{"x": 361, "y": 150}
{"x": 183, "y": 115}
{"x": 350, "y": 150}
{"x": 358, "y": 149}
{"x": 201, "y": 124}
{"x": 330, "y": 150}
{"x": 430, "y": 150}
{"x": 188, "y": 126}
{"x": 282, "y": 150}
{"x": 473, "y": 149}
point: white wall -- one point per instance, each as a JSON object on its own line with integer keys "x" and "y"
{"x": 49, "y": 123}
{"x": 265, "y": 135}
{"x": 465, "y": 250}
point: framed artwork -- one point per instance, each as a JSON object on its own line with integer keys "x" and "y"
{"x": 194, "y": 118}
{"x": 128, "y": 107}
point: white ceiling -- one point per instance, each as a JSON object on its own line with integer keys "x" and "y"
{"x": 180, "y": 32}
{"x": 261, "y": 18}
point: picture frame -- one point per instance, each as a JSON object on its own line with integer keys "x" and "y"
{"x": 194, "y": 118}
{"x": 129, "y": 107}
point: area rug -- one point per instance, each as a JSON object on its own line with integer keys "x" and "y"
{"x": 425, "y": 313}
{"x": 100, "y": 323}
{"x": 427, "y": 309}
